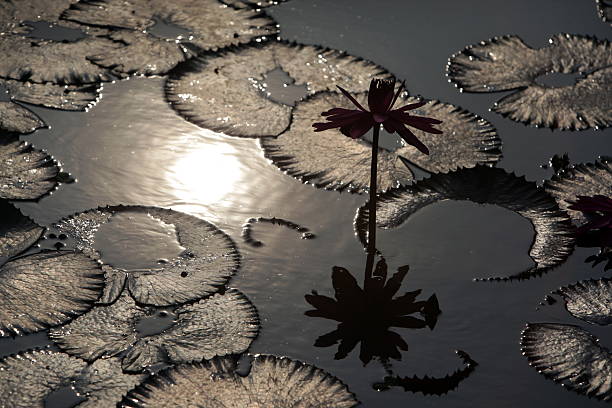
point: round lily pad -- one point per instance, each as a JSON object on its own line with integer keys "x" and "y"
{"x": 553, "y": 241}
{"x": 587, "y": 179}
{"x": 17, "y": 232}
{"x": 507, "y": 63}
{"x": 25, "y": 173}
{"x": 46, "y": 289}
{"x": 212, "y": 25}
{"x": 589, "y": 300}
{"x": 210, "y": 257}
{"x": 222, "y": 91}
{"x": 53, "y": 61}
{"x": 219, "y": 325}
{"x": 15, "y": 118}
{"x": 67, "y": 97}
{"x": 330, "y": 159}
{"x": 273, "y": 382}
{"x": 570, "y": 356}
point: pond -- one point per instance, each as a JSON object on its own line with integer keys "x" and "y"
{"x": 272, "y": 238}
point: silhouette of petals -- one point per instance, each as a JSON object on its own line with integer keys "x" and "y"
{"x": 52, "y": 61}
{"x": 588, "y": 179}
{"x": 507, "y": 63}
{"x": 589, "y": 300}
{"x": 68, "y": 97}
{"x": 25, "y": 173}
{"x": 200, "y": 93}
{"x": 46, "y": 289}
{"x": 209, "y": 260}
{"x": 553, "y": 241}
{"x": 17, "y": 232}
{"x": 15, "y": 118}
{"x": 273, "y": 382}
{"x": 219, "y": 325}
{"x": 333, "y": 161}
{"x": 570, "y": 356}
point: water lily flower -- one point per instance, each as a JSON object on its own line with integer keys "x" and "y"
{"x": 355, "y": 123}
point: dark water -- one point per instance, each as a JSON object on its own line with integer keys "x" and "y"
{"x": 133, "y": 149}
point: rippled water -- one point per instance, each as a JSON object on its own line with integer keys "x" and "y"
{"x": 132, "y": 148}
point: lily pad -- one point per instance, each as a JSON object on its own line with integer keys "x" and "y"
{"x": 553, "y": 241}
{"x": 247, "y": 229}
{"x": 17, "y": 232}
{"x": 273, "y": 382}
{"x": 333, "y": 161}
{"x": 46, "y": 289}
{"x": 507, "y": 63}
{"x": 589, "y": 300}
{"x": 15, "y": 118}
{"x": 570, "y": 356}
{"x": 587, "y": 179}
{"x": 142, "y": 54}
{"x": 13, "y": 13}
{"x": 25, "y": 173}
{"x": 53, "y": 61}
{"x": 219, "y": 91}
{"x": 67, "y": 97}
{"x": 219, "y": 325}
{"x": 212, "y": 24}
{"x": 207, "y": 263}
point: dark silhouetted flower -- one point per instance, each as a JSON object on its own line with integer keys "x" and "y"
{"x": 355, "y": 123}
{"x": 597, "y": 209}
{"x": 365, "y": 315}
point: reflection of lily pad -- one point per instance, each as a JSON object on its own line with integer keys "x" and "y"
{"x": 507, "y": 63}
{"x": 17, "y": 232}
{"x": 68, "y": 97}
{"x": 273, "y": 382}
{"x": 15, "y": 118}
{"x": 211, "y": 24}
{"x": 52, "y": 61}
{"x": 553, "y": 241}
{"x": 25, "y": 173}
{"x": 46, "y": 289}
{"x": 589, "y": 300}
{"x": 571, "y": 356}
{"x": 332, "y": 160}
{"x": 583, "y": 179}
{"x": 219, "y": 92}
{"x": 219, "y": 325}
{"x": 209, "y": 260}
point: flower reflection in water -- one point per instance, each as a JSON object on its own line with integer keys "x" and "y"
{"x": 365, "y": 315}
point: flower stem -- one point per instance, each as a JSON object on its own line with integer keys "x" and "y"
{"x": 372, "y": 216}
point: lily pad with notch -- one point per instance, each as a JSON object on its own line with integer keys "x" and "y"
{"x": 508, "y": 64}
{"x": 553, "y": 241}
{"x": 589, "y": 300}
{"x": 14, "y": 118}
{"x": 570, "y": 356}
{"x": 219, "y": 325}
{"x": 209, "y": 260}
{"x": 67, "y": 97}
{"x": 222, "y": 92}
{"x": 274, "y": 382}
{"x": 333, "y": 161}
{"x": 17, "y": 232}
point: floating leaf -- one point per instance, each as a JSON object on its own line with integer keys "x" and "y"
{"x": 142, "y": 54}
{"x": 331, "y": 160}
{"x": 553, "y": 241}
{"x": 52, "y": 61}
{"x": 604, "y": 8}
{"x": 273, "y": 382}
{"x": 25, "y": 173}
{"x": 14, "y": 12}
{"x": 218, "y": 325}
{"x": 15, "y": 118}
{"x": 207, "y": 263}
{"x": 248, "y": 228}
{"x": 67, "y": 97}
{"x": 219, "y": 91}
{"x": 589, "y": 300}
{"x": 507, "y": 63}
{"x": 571, "y": 356}
{"x": 17, "y": 232}
{"x": 582, "y": 179}
{"x": 212, "y": 25}
{"x": 46, "y": 289}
